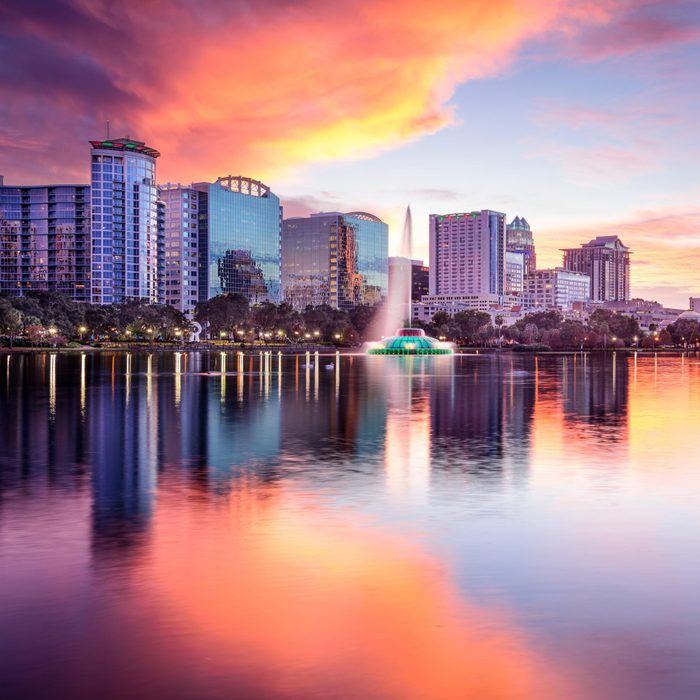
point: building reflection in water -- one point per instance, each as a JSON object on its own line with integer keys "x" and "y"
{"x": 230, "y": 491}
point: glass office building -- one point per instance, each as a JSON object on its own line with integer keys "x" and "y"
{"x": 125, "y": 244}
{"x": 45, "y": 240}
{"x": 335, "y": 259}
{"x": 240, "y": 222}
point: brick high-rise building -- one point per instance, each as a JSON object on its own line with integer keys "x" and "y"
{"x": 606, "y": 260}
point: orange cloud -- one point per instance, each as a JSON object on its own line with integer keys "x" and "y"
{"x": 266, "y": 87}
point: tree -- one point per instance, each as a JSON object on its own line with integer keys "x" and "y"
{"x": 466, "y": 325}
{"x": 10, "y": 320}
{"x": 224, "y": 312}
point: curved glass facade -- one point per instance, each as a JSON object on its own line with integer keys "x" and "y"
{"x": 335, "y": 259}
{"x": 239, "y": 240}
{"x": 125, "y": 243}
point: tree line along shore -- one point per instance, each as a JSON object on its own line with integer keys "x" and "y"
{"x": 46, "y": 319}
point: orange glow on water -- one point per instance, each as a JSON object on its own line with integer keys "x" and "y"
{"x": 322, "y": 603}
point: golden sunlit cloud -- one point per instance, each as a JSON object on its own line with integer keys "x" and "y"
{"x": 311, "y": 81}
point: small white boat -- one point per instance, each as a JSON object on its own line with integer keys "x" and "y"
{"x": 330, "y": 365}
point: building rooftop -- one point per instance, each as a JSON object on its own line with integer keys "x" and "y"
{"x": 126, "y": 144}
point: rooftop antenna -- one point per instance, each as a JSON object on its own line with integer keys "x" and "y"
{"x": 108, "y": 130}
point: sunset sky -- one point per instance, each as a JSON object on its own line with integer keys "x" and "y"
{"x": 581, "y": 116}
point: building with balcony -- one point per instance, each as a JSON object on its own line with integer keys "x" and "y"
{"x": 45, "y": 240}
{"x": 125, "y": 244}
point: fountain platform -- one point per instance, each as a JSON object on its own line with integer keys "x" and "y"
{"x": 410, "y": 341}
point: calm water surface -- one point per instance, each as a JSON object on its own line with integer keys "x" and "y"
{"x": 468, "y": 527}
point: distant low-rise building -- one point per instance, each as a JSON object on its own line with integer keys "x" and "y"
{"x": 555, "y": 288}
{"x": 694, "y": 304}
{"x": 454, "y": 303}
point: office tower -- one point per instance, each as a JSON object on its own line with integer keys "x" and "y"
{"x": 124, "y": 221}
{"x": 181, "y": 244}
{"x": 45, "y": 240}
{"x": 240, "y": 222}
{"x": 556, "y": 289}
{"x": 607, "y": 262}
{"x": 467, "y": 254}
{"x": 335, "y": 259}
{"x": 420, "y": 280}
{"x": 519, "y": 239}
{"x": 515, "y": 272}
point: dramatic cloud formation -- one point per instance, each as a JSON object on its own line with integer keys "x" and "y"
{"x": 264, "y": 86}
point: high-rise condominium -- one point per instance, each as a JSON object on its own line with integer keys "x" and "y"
{"x": 519, "y": 239}
{"x": 606, "y": 260}
{"x": 335, "y": 259}
{"x": 240, "y": 222}
{"x": 181, "y": 246}
{"x": 467, "y": 254}
{"x": 124, "y": 221}
{"x": 45, "y": 240}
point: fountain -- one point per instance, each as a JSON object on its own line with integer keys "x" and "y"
{"x": 405, "y": 341}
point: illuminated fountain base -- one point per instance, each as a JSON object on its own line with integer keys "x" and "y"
{"x": 410, "y": 341}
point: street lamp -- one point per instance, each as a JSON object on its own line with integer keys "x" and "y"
{"x": 222, "y": 334}
{"x": 81, "y": 330}
{"x": 337, "y": 336}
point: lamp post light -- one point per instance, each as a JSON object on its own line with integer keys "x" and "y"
{"x": 81, "y": 330}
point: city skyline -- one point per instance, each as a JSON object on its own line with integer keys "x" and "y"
{"x": 576, "y": 117}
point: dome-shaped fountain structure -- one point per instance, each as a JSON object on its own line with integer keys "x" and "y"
{"x": 410, "y": 341}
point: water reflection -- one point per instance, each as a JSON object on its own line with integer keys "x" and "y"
{"x": 347, "y": 526}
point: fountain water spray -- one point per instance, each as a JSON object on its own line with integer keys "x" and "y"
{"x": 406, "y": 340}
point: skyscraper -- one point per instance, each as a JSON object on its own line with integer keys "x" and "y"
{"x": 181, "y": 277}
{"x": 124, "y": 221}
{"x": 240, "y": 222}
{"x": 467, "y": 254}
{"x": 519, "y": 239}
{"x": 45, "y": 240}
{"x": 606, "y": 260}
{"x": 335, "y": 259}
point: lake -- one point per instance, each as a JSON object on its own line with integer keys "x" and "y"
{"x": 199, "y": 525}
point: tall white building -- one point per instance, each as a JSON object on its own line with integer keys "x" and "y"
{"x": 125, "y": 247}
{"x": 181, "y": 285}
{"x": 467, "y": 254}
{"x": 556, "y": 289}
